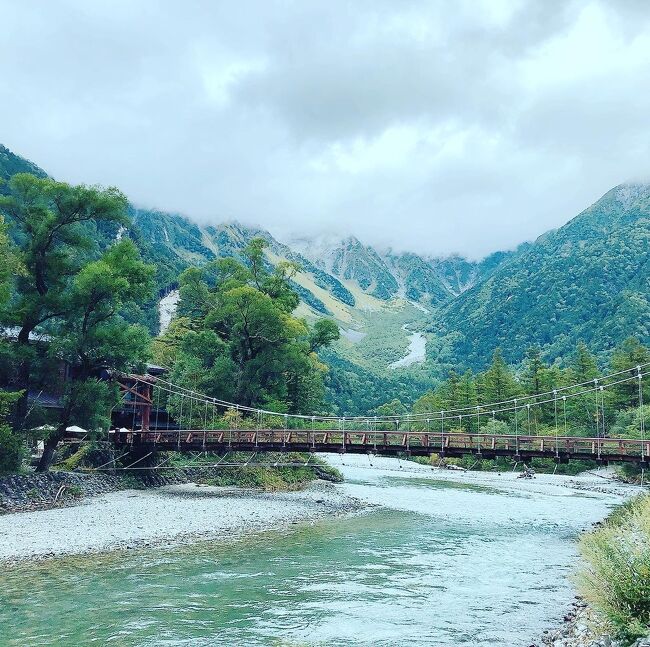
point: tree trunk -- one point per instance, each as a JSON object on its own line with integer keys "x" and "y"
{"x": 54, "y": 438}
{"x": 48, "y": 453}
{"x": 23, "y": 378}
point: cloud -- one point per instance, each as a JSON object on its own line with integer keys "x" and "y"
{"x": 437, "y": 127}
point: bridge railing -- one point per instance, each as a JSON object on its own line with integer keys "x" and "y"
{"x": 420, "y": 442}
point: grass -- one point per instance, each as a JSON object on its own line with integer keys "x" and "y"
{"x": 260, "y": 472}
{"x": 615, "y": 579}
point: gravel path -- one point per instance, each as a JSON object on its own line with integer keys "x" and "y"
{"x": 173, "y": 514}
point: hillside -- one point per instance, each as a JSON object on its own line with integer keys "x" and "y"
{"x": 373, "y": 328}
{"x": 10, "y": 164}
{"x": 588, "y": 280}
{"x": 385, "y": 275}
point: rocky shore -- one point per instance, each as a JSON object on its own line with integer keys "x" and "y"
{"x": 25, "y": 492}
{"x": 583, "y": 628}
{"x": 169, "y": 515}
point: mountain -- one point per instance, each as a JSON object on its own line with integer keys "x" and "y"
{"x": 387, "y": 275}
{"x": 588, "y": 280}
{"x": 10, "y": 164}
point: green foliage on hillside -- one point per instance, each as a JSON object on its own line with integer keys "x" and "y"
{"x": 354, "y": 390}
{"x": 589, "y": 280}
{"x": 421, "y": 279}
{"x": 11, "y": 164}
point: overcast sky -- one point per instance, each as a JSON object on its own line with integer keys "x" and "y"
{"x": 436, "y": 127}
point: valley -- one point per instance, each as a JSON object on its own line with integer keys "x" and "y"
{"x": 587, "y": 281}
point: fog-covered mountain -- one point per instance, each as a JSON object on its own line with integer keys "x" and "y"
{"x": 385, "y": 274}
{"x": 588, "y": 280}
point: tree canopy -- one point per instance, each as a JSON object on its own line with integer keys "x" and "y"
{"x": 237, "y": 338}
{"x": 71, "y": 292}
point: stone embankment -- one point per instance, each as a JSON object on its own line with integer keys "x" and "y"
{"x": 582, "y": 628}
{"x": 23, "y": 492}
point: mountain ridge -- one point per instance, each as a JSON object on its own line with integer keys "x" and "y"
{"x": 588, "y": 280}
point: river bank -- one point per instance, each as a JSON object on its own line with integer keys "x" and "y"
{"x": 27, "y": 492}
{"x": 582, "y": 627}
{"x": 170, "y": 515}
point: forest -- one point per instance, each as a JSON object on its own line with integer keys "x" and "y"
{"x": 77, "y": 284}
{"x": 71, "y": 311}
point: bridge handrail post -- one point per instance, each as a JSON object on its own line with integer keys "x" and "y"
{"x": 641, "y": 416}
{"x": 516, "y": 430}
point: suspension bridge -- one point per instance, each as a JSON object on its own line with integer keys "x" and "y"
{"x": 157, "y": 415}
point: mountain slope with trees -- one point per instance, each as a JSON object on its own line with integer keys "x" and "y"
{"x": 588, "y": 280}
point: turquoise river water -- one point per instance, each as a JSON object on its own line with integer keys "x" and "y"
{"x": 470, "y": 559}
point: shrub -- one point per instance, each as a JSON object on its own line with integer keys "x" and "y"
{"x": 616, "y": 576}
{"x": 12, "y": 448}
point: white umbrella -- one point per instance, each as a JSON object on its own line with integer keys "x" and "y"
{"x": 75, "y": 430}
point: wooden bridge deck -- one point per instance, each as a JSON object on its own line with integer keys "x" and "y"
{"x": 560, "y": 448}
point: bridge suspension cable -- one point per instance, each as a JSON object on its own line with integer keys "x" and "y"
{"x": 596, "y": 385}
{"x": 195, "y": 421}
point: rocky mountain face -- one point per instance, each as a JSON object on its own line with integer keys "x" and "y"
{"x": 386, "y": 274}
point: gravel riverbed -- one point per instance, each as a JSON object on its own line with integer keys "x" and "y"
{"x": 170, "y": 515}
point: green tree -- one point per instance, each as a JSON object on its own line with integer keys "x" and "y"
{"x": 242, "y": 336}
{"x": 393, "y": 408}
{"x": 11, "y": 446}
{"x": 537, "y": 378}
{"x": 450, "y": 392}
{"x": 584, "y": 367}
{"x": 96, "y": 337}
{"x": 498, "y": 382}
{"x": 582, "y": 411}
{"x": 324, "y": 332}
{"x": 9, "y": 264}
{"x": 628, "y": 355}
{"x": 53, "y": 225}
{"x": 468, "y": 399}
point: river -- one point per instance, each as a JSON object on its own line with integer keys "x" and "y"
{"x": 416, "y": 350}
{"x": 440, "y": 559}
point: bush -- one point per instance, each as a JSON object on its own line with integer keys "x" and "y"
{"x": 12, "y": 451}
{"x": 12, "y": 448}
{"x": 616, "y": 577}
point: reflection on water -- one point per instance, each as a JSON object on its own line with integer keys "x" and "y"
{"x": 440, "y": 563}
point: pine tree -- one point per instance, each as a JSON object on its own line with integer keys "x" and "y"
{"x": 499, "y": 383}
{"x": 582, "y": 411}
{"x": 628, "y": 355}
